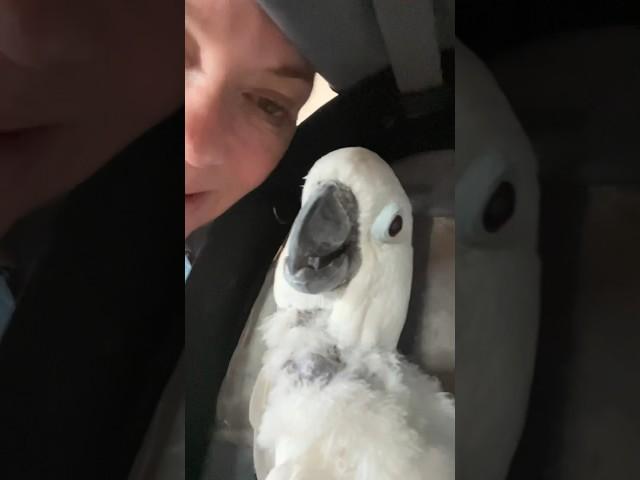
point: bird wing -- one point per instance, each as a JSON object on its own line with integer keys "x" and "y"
{"x": 299, "y": 471}
{"x": 263, "y": 460}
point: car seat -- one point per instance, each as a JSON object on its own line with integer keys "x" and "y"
{"x": 583, "y": 123}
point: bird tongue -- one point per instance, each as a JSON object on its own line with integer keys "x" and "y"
{"x": 319, "y": 241}
{"x": 316, "y": 280}
{"x": 325, "y": 226}
{"x": 317, "y": 262}
{"x": 320, "y": 231}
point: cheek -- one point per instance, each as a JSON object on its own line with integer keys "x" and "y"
{"x": 257, "y": 149}
{"x": 257, "y": 162}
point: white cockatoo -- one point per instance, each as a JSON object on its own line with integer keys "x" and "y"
{"x": 334, "y": 400}
{"x": 497, "y": 272}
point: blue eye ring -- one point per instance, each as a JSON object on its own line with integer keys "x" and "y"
{"x": 388, "y": 224}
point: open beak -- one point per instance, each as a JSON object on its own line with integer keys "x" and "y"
{"x": 323, "y": 241}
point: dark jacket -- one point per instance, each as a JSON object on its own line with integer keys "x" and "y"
{"x": 98, "y": 327}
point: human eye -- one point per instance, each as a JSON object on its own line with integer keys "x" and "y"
{"x": 273, "y": 110}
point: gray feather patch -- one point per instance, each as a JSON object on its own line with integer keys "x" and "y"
{"x": 315, "y": 367}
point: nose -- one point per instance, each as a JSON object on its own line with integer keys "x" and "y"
{"x": 204, "y": 124}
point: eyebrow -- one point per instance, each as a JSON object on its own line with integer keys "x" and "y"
{"x": 293, "y": 71}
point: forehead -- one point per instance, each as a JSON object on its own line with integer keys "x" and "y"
{"x": 242, "y": 27}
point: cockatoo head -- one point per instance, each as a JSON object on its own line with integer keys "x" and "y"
{"x": 497, "y": 271}
{"x": 349, "y": 250}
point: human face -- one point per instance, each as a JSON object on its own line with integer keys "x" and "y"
{"x": 79, "y": 81}
{"x": 244, "y": 86}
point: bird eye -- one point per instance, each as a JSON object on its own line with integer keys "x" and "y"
{"x": 388, "y": 224}
{"x": 500, "y": 207}
{"x": 396, "y": 226}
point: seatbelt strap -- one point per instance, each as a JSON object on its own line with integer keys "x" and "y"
{"x": 7, "y": 302}
{"x": 409, "y": 31}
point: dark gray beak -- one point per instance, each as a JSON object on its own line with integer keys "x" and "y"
{"x": 323, "y": 244}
